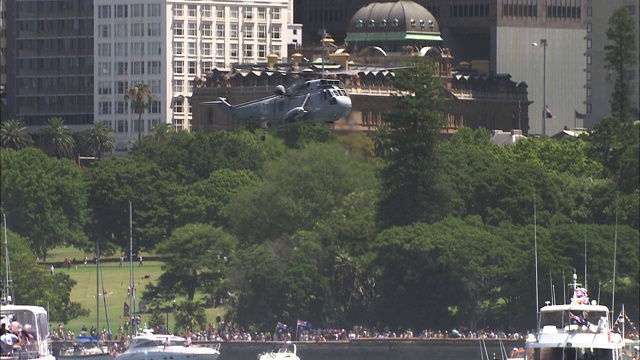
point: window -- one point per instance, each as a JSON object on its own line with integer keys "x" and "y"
{"x": 589, "y": 75}
{"x": 178, "y": 86}
{"x": 178, "y": 28}
{"x": 178, "y": 48}
{"x": 220, "y": 30}
{"x": 121, "y": 107}
{"x": 262, "y": 13}
{"x": 153, "y": 29}
{"x": 589, "y": 59}
{"x": 178, "y": 106}
{"x": 104, "y": 31}
{"x": 262, "y": 31}
{"x": 178, "y": 67}
{"x": 275, "y": 32}
{"x": 155, "y": 107}
{"x": 121, "y": 30}
{"x": 206, "y": 29}
{"x": 220, "y": 50}
{"x": 589, "y": 11}
{"x": 192, "y": 48}
{"x": 177, "y": 9}
{"x": 137, "y": 29}
{"x": 123, "y": 126}
{"x": 121, "y": 49}
{"x": 153, "y": 10}
{"x": 589, "y": 91}
{"x": 262, "y": 51}
{"x": 104, "y": 87}
{"x": 248, "y": 51}
{"x": 233, "y": 12}
{"x": 234, "y": 31}
{"x": 207, "y": 66}
{"x": 275, "y": 49}
{"x": 153, "y": 67}
{"x": 104, "y": 49}
{"x": 192, "y": 67}
{"x": 275, "y": 14}
{"x": 191, "y": 10}
{"x": 104, "y": 11}
{"x": 137, "y": 48}
{"x": 248, "y": 31}
{"x": 122, "y": 68}
{"x": 220, "y": 12}
{"x": 206, "y": 11}
{"x": 206, "y": 49}
{"x": 137, "y": 68}
{"x": 234, "y": 50}
{"x": 192, "y": 28}
{"x": 155, "y": 48}
{"x": 589, "y": 27}
{"x": 121, "y": 87}
{"x": 589, "y": 108}
{"x": 630, "y": 75}
{"x": 104, "y": 68}
{"x": 137, "y": 10}
{"x": 589, "y": 44}
{"x": 248, "y": 12}
{"x": 155, "y": 86}
{"x": 104, "y": 107}
{"x": 121, "y": 11}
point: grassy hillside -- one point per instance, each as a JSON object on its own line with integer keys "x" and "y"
{"x": 116, "y": 282}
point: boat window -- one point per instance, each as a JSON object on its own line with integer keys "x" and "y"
{"x": 577, "y": 354}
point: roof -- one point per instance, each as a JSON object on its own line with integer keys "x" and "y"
{"x": 394, "y": 21}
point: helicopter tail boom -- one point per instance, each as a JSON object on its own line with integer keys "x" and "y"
{"x": 223, "y": 105}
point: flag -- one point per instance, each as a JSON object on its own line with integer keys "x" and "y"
{"x": 303, "y": 324}
{"x": 548, "y": 113}
{"x": 281, "y": 327}
{"x": 580, "y": 116}
{"x": 126, "y": 309}
{"x": 579, "y": 319}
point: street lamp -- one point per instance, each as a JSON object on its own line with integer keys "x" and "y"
{"x": 544, "y": 44}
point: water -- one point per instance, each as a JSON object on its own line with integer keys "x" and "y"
{"x": 387, "y": 349}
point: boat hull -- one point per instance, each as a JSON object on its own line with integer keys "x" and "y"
{"x": 166, "y": 354}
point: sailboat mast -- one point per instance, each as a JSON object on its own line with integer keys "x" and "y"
{"x": 104, "y": 300}
{"x": 535, "y": 242}
{"x": 585, "y": 260}
{"x": 131, "y": 264}
{"x": 615, "y": 249}
{"x": 97, "y": 287}
{"x": 7, "y": 281}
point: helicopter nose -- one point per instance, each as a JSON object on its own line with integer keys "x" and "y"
{"x": 344, "y": 103}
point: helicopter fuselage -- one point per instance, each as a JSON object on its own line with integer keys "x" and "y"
{"x": 310, "y": 102}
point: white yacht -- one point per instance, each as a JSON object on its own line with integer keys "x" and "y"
{"x": 576, "y": 331}
{"x": 285, "y": 351}
{"x": 149, "y": 346}
{"x": 35, "y": 320}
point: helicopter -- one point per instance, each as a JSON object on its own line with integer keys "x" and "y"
{"x": 305, "y": 102}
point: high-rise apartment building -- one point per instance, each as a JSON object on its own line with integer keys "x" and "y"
{"x": 166, "y": 44}
{"x": 598, "y": 90}
{"x": 49, "y": 56}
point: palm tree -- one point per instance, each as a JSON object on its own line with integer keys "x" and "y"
{"x": 190, "y": 315}
{"x": 381, "y": 142}
{"x": 97, "y": 140}
{"x": 161, "y": 131}
{"x": 141, "y": 99}
{"x": 14, "y": 135}
{"x": 56, "y": 139}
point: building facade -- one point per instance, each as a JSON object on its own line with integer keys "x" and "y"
{"x": 49, "y": 59}
{"x": 169, "y": 44}
{"x": 598, "y": 90}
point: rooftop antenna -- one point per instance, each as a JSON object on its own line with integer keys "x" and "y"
{"x": 615, "y": 249}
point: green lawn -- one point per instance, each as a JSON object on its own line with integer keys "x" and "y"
{"x": 116, "y": 282}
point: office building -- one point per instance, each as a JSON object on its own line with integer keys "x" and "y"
{"x": 49, "y": 60}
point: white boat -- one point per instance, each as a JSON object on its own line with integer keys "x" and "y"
{"x": 576, "y": 331}
{"x": 148, "y": 346}
{"x": 285, "y": 351}
{"x": 37, "y": 320}
{"x": 85, "y": 348}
